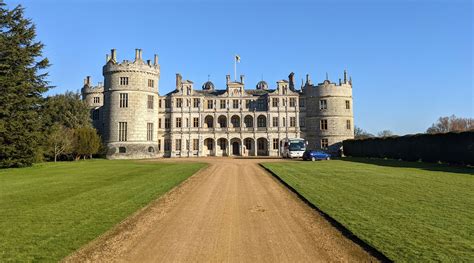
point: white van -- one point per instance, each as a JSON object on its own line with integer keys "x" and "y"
{"x": 292, "y": 148}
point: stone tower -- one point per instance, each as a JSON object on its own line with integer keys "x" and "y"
{"x": 131, "y": 107}
{"x": 329, "y": 113}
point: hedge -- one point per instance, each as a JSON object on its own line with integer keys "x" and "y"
{"x": 452, "y": 147}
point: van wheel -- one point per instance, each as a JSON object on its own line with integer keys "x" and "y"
{"x": 313, "y": 159}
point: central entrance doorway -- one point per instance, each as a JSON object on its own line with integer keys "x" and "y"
{"x": 235, "y": 148}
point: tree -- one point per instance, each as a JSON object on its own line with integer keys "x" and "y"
{"x": 86, "y": 142}
{"x": 60, "y": 141}
{"x": 66, "y": 109}
{"x": 452, "y": 123}
{"x": 360, "y": 133}
{"x": 385, "y": 133}
{"x": 22, "y": 83}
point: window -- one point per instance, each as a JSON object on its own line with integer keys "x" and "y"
{"x": 168, "y": 103}
{"x": 196, "y": 103}
{"x": 178, "y": 145}
{"x": 151, "y": 149}
{"x": 149, "y": 131}
{"x": 248, "y": 144}
{"x": 302, "y": 121}
{"x": 123, "y": 100}
{"x": 261, "y": 121}
{"x": 123, "y": 80}
{"x": 122, "y": 131}
{"x": 210, "y": 104}
{"x": 274, "y": 102}
{"x": 159, "y": 123}
{"x": 261, "y": 104}
{"x": 167, "y": 123}
{"x": 196, "y": 144}
{"x": 323, "y": 124}
{"x": 122, "y": 150}
{"x": 95, "y": 114}
{"x": 323, "y": 104}
{"x": 167, "y": 145}
{"x": 324, "y": 143}
{"x": 292, "y": 121}
{"x": 284, "y": 101}
{"x": 96, "y": 99}
{"x": 196, "y": 122}
{"x": 275, "y": 121}
{"x": 179, "y": 102}
{"x": 159, "y": 103}
{"x": 187, "y": 102}
{"x": 150, "y": 101}
{"x": 178, "y": 122}
{"x": 275, "y": 144}
{"x": 348, "y": 104}
{"x": 235, "y": 120}
{"x": 187, "y": 123}
{"x": 247, "y": 104}
{"x": 151, "y": 83}
{"x": 248, "y": 120}
{"x": 223, "y": 102}
{"x": 284, "y": 122}
{"x": 261, "y": 145}
{"x": 348, "y": 124}
{"x": 292, "y": 102}
{"x": 235, "y": 104}
{"x": 302, "y": 105}
{"x": 159, "y": 145}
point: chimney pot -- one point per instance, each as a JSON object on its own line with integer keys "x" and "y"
{"x": 156, "y": 60}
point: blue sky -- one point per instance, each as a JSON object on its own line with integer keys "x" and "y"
{"x": 411, "y": 61}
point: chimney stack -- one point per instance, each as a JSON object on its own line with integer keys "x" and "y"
{"x": 345, "y": 77}
{"x": 242, "y": 79}
{"x": 138, "y": 54}
{"x": 113, "y": 53}
{"x": 155, "y": 62}
{"x": 308, "y": 79}
{"x": 178, "y": 80}
{"x": 107, "y": 58}
{"x": 87, "y": 81}
{"x": 291, "y": 79}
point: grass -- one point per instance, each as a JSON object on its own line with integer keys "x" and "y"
{"x": 410, "y": 212}
{"x": 49, "y": 210}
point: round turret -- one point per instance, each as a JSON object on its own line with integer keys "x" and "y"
{"x": 131, "y": 107}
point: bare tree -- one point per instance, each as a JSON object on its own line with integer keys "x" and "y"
{"x": 360, "y": 133}
{"x": 60, "y": 141}
{"x": 452, "y": 123}
{"x": 385, "y": 133}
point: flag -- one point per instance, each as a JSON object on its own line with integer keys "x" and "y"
{"x": 237, "y": 58}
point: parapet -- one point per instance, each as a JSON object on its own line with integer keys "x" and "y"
{"x": 88, "y": 88}
{"x": 138, "y": 65}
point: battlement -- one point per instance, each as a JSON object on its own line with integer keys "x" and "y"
{"x": 88, "y": 88}
{"x": 138, "y": 65}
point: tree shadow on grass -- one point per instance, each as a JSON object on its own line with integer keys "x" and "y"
{"x": 419, "y": 165}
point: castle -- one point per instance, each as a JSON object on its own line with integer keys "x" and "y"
{"x": 135, "y": 121}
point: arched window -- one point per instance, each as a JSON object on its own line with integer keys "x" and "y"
{"x": 209, "y": 121}
{"x": 151, "y": 149}
{"x": 222, "y": 120}
{"x": 122, "y": 149}
{"x": 248, "y": 120}
{"x": 261, "y": 121}
{"x": 235, "y": 121}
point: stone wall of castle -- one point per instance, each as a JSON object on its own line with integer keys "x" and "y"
{"x": 244, "y": 122}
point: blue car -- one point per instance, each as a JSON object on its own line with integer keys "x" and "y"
{"x": 314, "y": 155}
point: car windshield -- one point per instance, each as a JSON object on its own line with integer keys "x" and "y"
{"x": 296, "y": 146}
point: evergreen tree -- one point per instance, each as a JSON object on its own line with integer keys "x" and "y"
{"x": 86, "y": 142}
{"x": 22, "y": 83}
{"x": 68, "y": 110}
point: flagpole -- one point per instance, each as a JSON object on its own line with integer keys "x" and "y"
{"x": 235, "y": 67}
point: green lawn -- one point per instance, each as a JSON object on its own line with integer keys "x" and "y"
{"x": 411, "y": 212}
{"x": 49, "y": 210}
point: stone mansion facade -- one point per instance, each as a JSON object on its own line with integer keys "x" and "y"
{"x": 135, "y": 121}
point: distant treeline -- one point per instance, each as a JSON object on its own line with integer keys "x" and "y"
{"x": 452, "y": 147}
